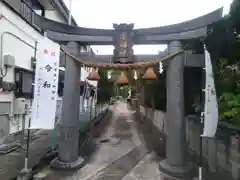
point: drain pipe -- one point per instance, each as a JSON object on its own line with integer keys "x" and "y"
{"x": 1, "y": 49}
{"x": 15, "y": 36}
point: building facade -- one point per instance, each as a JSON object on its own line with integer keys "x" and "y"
{"x": 17, "y": 50}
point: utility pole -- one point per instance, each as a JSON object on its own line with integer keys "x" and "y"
{"x": 70, "y": 13}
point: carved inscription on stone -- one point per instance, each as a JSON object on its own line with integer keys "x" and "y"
{"x": 123, "y": 43}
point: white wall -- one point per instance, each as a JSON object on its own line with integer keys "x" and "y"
{"x": 12, "y": 25}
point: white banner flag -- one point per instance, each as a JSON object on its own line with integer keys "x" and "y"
{"x": 45, "y": 85}
{"x": 211, "y": 105}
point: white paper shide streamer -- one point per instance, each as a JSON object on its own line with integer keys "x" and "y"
{"x": 135, "y": 75}
{"x": 45, "y": 85}
{"x": 211, "y": 105}
{"x": 109, "y": 74}
{"x": 160, "y": 68}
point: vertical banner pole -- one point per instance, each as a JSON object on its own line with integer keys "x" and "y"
{"x": 53, "y": 140}
{"x": 95, "y": 101}
{"x": 27, "y": 147}
{"x": 29, "y": 127}
{"x": 90, "y": 107}
{"x": 201, "y": 120}
{"x": 201, "y": 125}
{"x": 200, "y": 148}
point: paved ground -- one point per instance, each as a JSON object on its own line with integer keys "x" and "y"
{"x": 12, "y": 152}
{"x": 120, "y": 154}
{"x": 146, "y": 169}
{"x": 123, "y": 152}
{"x": 12, "y": 163}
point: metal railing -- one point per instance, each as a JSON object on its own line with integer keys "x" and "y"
{"x": 87, "y": 114}
{"x": 29, "y": 15}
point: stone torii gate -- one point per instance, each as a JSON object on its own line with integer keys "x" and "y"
{"x": 175, "y": 36}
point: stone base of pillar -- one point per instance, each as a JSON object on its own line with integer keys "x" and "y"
{"x": 58, "y": 165}
{"x": 187, "y": 172}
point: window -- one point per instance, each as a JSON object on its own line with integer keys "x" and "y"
{"x": 34, "y": 4}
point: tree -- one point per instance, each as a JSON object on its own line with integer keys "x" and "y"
{"x": 223, "y": 44}
{"x": 222, "y": 39}
{"x": 105, "y": 87}
{"x": 235, "y": 15}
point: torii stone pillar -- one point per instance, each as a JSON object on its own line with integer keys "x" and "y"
{"x": 68, "y": 127}
{"x": 176, "y": 163}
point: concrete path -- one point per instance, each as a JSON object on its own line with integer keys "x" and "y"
{"x": 146, "y": 169}
{"x": 120, "y": 154}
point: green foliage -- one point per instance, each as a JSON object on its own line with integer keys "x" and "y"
{"x": 227, "y": 76}
{"x": 235, "y": 15}
{"x": 105, "y": 87}
{"x": 222, "y": 42}
{"x": 222, "y": 39}
{"x": 123, "y": 91}
{"x": 229, "y": 107}
{"x": 155, "y": 91}
{"x": 224, "y": 47}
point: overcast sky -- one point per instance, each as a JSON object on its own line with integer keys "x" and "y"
{"x": 143, "y": 13}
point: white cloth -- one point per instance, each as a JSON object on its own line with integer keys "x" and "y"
{"x": 211, "y": 105}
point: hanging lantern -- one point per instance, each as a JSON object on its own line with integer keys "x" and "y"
{"x": 93, "y": 76}
{"x": 122, "y": 79}
{"x": 149, "y": 75}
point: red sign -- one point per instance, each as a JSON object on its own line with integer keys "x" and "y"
{"x": 45, "y": 51}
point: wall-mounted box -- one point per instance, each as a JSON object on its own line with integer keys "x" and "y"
{"x": 24, "y": 83}
{"x": 8, "y": 86}
{"x": 9, "y": 60}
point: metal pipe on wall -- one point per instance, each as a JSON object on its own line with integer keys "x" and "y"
{"x": 70, "y": 12}
{"x": 2, "y": 43}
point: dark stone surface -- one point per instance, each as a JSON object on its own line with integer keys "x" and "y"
{"x": 186, "y": 172}
{"x": 88, "y": 34}
{"x": 176, "y": 162}
{"x": 59, "y": 165}
{"x": 68, "y": 125}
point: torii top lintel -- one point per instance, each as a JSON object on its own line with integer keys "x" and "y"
{"x": 191, "y": 29}
{"x": 61, "y": 32}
